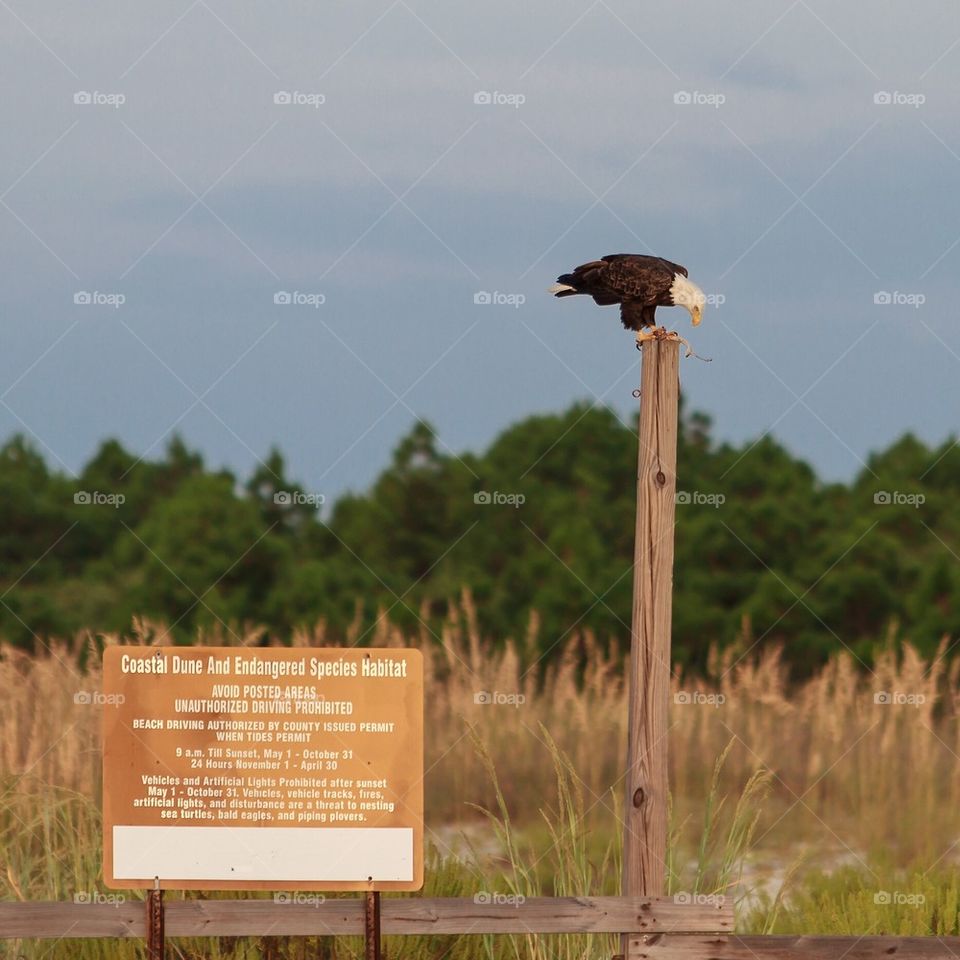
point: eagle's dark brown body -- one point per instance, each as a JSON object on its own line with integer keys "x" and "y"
{"x": 638, "y": 283}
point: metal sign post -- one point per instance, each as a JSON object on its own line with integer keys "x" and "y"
{"x": 371, "y": 925}
{"x": 155, "y": 938}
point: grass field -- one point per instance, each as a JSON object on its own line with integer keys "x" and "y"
{"x": 828, "y": 806}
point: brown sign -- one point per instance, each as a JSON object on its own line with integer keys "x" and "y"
{"x": 253, "y": 769}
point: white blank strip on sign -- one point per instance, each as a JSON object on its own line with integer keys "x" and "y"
{"x": 263, "y": 853}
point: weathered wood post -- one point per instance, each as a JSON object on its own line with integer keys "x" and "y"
{"x": 645, "y": 811}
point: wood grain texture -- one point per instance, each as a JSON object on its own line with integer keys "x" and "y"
{"x": 72, "y": 920}
{"x": 336, "y": 917}
{"x": 552, "y": 915}
{"x": 793, "y": 948}
{"x": 645, "y": 810}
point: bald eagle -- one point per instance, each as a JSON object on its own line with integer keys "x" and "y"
{"x": 639, "y": 284}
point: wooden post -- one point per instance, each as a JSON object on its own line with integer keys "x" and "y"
{"x": 645, "y": 810}
{"x": 155, "y": 936}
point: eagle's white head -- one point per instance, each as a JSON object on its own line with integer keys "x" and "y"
{"x": 689, "y": 295}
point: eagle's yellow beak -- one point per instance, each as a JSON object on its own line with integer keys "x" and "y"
{"x": 697, "y": 315}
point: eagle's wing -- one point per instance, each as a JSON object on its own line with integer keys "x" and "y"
{"x": 675, "y": 267}
{"x": 646, "y": 279}
{"x": 591, "y": 279}
{"x": 585, "y": 272}
{"x": 640, "y": 258}
{"x": 619, "y": 277}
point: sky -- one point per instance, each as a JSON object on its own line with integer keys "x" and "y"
{"x": 274, "y": 224}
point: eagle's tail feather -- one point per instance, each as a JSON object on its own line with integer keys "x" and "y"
{"x": 569, "y": 284}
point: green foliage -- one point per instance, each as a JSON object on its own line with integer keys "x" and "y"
{"x": 724, "y": 839}
{"x": 543, "y": 521}
{"x": 865, "y": 899}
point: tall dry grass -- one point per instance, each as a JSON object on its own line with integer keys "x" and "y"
{"x": 849, "y": 774}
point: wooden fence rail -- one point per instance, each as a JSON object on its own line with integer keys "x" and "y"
{"x": 341, "y": 916}
{"x": 793, "y": 948}
{"x": 664, "y": 930}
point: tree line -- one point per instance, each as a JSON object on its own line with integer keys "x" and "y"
{"x": 539, "y": 524}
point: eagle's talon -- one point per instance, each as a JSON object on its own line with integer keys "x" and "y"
{"x": 662, "y": 333}
{"x": 653, "y": 333}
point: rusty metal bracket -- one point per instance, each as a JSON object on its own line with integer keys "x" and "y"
{"x": 154, "y": 906}
{"x": 371, "y": 926}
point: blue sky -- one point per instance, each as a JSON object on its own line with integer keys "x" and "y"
{"x": 813, "y": 173}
